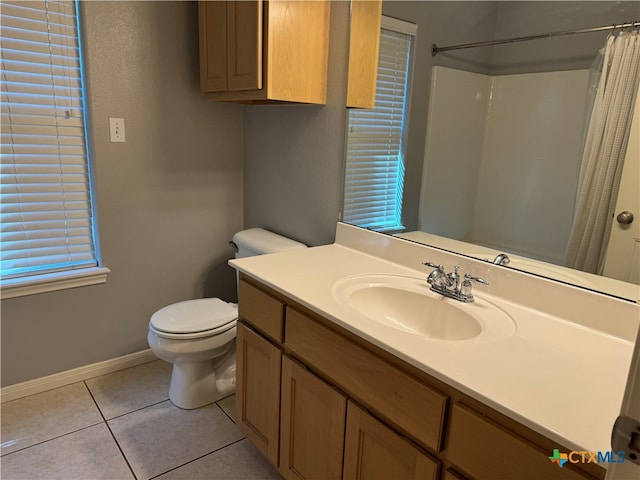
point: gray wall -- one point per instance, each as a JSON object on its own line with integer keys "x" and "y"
{"x": 570, "y": 52}
{"x": 168, "y": 199}
{"x": 294, "y": 155}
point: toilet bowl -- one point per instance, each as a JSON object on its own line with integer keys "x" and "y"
{"x": 198, "y": 336}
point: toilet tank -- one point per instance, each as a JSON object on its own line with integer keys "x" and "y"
{"x": 257, "y": 241}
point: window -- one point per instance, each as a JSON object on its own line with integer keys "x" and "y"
{"x": 47, "y": 235}
{"x": 376, "y": 138}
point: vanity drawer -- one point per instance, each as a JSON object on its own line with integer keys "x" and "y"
{"x": 483, "y": 449}
{"x": 413, "y": 407}
{"x": 261, "y": 310}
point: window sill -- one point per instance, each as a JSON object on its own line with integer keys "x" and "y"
{"x": 19, "y": 287}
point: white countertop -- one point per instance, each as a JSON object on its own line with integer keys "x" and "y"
{"x": 562, "y": 379}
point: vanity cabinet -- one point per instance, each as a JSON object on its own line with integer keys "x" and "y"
{"x": 452, "y": 475}
{"x": 258, "y": 364}
{"x": 321, "y": 402}
{"x": 312, "y": 425}
{"x": 373, "y": 450}
{"x": 412, "y": 407}
{"x": 264, "y": 51}
{"x": 485, "y": 449}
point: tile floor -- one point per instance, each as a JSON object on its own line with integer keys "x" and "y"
{"x": 123, "y": 426}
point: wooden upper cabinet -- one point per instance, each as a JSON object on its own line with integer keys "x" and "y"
{"x": 212, "y": 25}
{"x": 244, "y": 45}
{"x": 264, "y": 51}
{"x": 364, "y": 46}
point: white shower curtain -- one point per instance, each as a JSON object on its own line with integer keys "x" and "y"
{"x": 603, "y": 153}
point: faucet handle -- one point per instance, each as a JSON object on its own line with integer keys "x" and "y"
{"x": 433, "y": 265}
{"x": 501, "y": 259}
{"x": 479, "y": 280}
{"x": 437, "y": 275}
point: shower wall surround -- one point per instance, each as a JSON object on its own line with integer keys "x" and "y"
{"x": 494, "y": 138}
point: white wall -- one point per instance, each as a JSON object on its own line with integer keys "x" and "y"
{"x": 458, "y": 107}
{"x": 531, "y": 163}
{"x": 523, "y": 150}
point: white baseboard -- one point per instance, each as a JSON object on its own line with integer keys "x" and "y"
{"x": 19, "y": 390}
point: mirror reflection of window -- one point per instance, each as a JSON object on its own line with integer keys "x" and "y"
{"x": 376, "y": 137}
{"x": 534, "y": 237}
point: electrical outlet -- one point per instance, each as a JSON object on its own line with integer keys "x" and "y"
{"x": 116, "y": 129}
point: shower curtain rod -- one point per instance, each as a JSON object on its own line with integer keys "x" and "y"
{"x": 435, "y": 49}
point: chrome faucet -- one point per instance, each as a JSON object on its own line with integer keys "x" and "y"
{"x": 502, "y": 259}
{"x": 451, "y": 284}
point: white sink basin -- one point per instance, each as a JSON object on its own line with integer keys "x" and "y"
{"x": 407, "y": 304}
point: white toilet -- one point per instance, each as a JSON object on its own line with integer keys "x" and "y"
{"x": 198, "y": 336}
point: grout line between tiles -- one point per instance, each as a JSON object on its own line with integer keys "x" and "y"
{"x": 105, "y": 421}
{"x": 135, "y": 410}
{"x": 111, "y": 432}
{"x": 198, "y": 458}
{"x": 225, "y": 412}
{"x": 50, "y": 439}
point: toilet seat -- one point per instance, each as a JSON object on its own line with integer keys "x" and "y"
{"x": 194, "y": 319}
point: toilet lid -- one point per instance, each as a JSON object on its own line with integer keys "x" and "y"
{"x": 194, "y": 316}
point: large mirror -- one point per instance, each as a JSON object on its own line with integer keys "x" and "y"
{"x": 474, "y": 183}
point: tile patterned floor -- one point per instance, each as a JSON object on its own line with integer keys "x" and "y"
{"x": 123, "y": 426}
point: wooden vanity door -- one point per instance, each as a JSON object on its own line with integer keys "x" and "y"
{"x": 374, "y": 451}
{"x": 312, "y": 425}
{"x": 258, "y": 391}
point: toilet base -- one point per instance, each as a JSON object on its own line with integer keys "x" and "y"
{"x": 195, "y": 384}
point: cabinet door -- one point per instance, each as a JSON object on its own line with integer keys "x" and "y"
{"x": 483, "y": 449}
{"x": 312, "y": 425}
{"x": 212, "y": 18}
{"x": 258, "y": 391}
{"x": 452, "y": 475}
{"x": 374, "y": 451}
{"x": 298, "y": 50}
{"x": 364, "y": 46}
{"x": 244, "y": 37}
{"x": 405, "y": 402}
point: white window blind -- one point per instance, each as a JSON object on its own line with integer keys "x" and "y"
{"x": 374, "y": 174}
{"x": 45, "y": 213}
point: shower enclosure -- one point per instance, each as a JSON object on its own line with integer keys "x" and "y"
{"x": 502, "y": 159}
